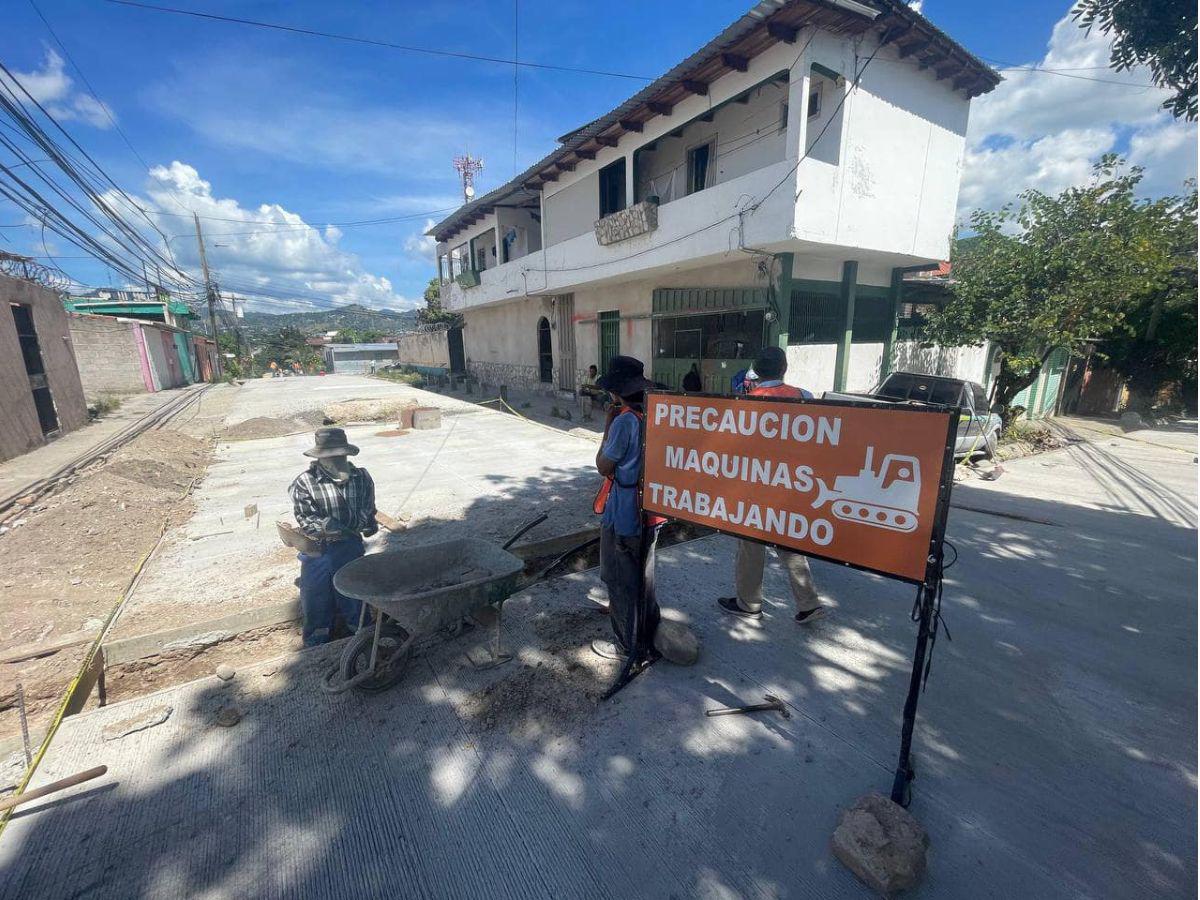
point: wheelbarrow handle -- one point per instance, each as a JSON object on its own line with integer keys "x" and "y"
{"x": 529, "y": 526}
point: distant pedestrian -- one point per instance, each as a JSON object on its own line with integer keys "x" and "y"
{"x": 589, "y": 393}
{"x": 692, "y": 382}
{"x": 765, "y": 379}
{"x": 627, "y": 538}
{"x": 334, "y": 505}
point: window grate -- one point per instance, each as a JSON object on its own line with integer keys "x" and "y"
{"x": 872, "y": 320}
{"x": 817, "y": 318}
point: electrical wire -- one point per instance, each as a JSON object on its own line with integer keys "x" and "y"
{"x": 312, "y": 32}
{"x": 315, "y": 226}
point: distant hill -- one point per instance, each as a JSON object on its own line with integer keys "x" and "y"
{"x": 354, "y": 316}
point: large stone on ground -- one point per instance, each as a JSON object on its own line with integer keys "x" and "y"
{"x": 677, "y": 643}
{"x": 426, "y": 417}
{"x": 881, "y": 843}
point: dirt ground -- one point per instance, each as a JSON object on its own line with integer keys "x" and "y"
{"x": 70, "y": 556}
{"x": 273, "y": 426}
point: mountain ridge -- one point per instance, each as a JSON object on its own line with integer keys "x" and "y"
{"x": 352, "y": 316}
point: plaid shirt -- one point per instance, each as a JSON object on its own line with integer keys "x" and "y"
{"x": 322, "y": 505}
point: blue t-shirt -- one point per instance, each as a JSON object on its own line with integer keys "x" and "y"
{"x": 623, "y": 447}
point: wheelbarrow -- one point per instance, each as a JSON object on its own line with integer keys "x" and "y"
{"x": 415, "y": 593}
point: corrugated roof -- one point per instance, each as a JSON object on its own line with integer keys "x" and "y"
{"x": 764, "y": 25}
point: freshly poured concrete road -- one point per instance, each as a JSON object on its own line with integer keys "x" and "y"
{"x": 1056, "y": 744}
{"x": 483, "y": 472}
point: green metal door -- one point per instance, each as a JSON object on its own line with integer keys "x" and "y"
{"x": 610, "y": 338}
{"x": 1054, "y": 369}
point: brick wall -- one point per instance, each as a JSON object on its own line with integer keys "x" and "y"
{"x": 107, "y": 353}
{"x": 21, "y": 429}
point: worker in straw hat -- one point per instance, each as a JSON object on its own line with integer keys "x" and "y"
{"x": 334, "y": 504}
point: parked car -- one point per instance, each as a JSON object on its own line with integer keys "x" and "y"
{"x": 978, "y": 427}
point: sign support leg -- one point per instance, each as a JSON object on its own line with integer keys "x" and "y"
{"x": 904, "y": 770}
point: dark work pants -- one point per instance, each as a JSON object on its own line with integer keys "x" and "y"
{"x": 319, "y": 602}
{"x": 628, "y": 576}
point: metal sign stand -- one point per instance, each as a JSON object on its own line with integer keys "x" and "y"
{"x": 927, "y": 613}
{"x": 901, "y": 786}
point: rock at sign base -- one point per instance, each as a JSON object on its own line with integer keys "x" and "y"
{"x": 881, "y": 843}
{"x": 225, "y": 672}
{"x": 676, "y": 642}
{"x": 228, "y": 716}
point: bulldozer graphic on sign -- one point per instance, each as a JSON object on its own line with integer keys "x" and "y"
{"x": 884, "y": 500}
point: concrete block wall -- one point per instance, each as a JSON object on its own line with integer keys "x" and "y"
{"x": 22, "y": 431}
{"x": 424, "y": 350}
{"x": 107, "y": 353}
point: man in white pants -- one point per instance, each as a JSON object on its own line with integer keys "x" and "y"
{"x": 766, "y": 375}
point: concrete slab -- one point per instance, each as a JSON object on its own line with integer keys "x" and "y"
{"x": 1055, "y": 748}
{"x": 483, "y": 471}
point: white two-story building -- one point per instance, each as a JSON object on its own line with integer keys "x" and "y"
{"x": 776, "y": 186}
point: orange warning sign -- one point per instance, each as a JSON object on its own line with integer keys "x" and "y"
{"x": 855, "y": 484}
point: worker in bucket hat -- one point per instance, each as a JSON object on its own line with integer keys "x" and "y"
{"x": 334, "y": 504}
{"x": 627, "y": 541}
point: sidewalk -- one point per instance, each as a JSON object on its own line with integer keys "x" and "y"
{"x": 18, "y": 473}
{"x": 1179, "y": 435}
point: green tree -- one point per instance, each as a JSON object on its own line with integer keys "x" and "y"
{"x": 359, "y": 335}
{"x": 1054, "y": 272}
{"x": 286, "y": 346}
{"x": 1160, "y": 34}
{"x": 227, "y": 343}
{"x": 1155, "y": 348}
{"x": 434, "y": 313}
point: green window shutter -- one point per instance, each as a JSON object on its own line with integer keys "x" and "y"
{"x": 610, "y": 338}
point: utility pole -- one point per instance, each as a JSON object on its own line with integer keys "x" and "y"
{"x": 208, "y": 291}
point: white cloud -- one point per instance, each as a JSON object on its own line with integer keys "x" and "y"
{"x": 421, "y": 246}
{"x": 1044, "y": 131}
{"x": 53, "y": 88}
{"x": 266, "y": 250}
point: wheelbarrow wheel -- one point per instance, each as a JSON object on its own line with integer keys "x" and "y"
{"x": 394, "y": 651}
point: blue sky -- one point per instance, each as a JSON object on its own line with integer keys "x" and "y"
{"x": 243, "y": 123}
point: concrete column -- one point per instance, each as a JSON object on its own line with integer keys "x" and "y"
{"x": 849, "y": 288}
{"x": 799, "y": 84}
{"x": 630, "y": 181}
{"x": 895, "y": 298}
{"x": 780, "y": 330}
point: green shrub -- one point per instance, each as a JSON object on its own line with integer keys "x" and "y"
{"x": 104, "y": 404}
{"x": 404, "y": 375}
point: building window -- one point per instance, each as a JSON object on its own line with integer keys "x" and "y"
{"x": 610, "y": 337}
{"x": 783, "y": 116}
{"x": 612, "y": 188}
{"x": 872, "y": 319}
{"x": 699, "y": 166}
{"x": 817, "y": 318}
{"x": 814, "y": 102}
